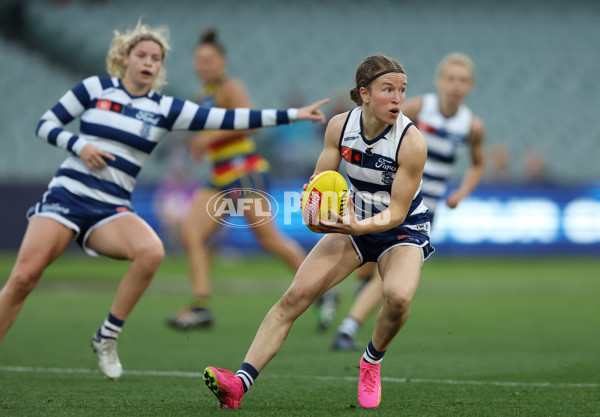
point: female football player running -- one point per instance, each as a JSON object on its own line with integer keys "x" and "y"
{"x": 386, "y": 223}
{"x": 447, "y": 125}
{"x": 122, "y": 120}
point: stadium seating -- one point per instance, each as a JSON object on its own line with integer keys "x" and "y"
{"x": 29, "y": 85}
{"x": 536, "y": 61}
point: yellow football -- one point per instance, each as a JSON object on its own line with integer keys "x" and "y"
{"x": 326, "y": 191}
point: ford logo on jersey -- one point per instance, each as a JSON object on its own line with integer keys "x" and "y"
{"x": 386, "y": 164}
{"x": 147, "y": 117}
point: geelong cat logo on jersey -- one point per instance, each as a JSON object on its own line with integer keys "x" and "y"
{"x": 387, "y": 177}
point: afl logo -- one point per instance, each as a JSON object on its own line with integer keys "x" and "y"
{"x": 230, "y": 206}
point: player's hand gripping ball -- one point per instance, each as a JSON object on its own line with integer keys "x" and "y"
{"x": 326, "y": 191}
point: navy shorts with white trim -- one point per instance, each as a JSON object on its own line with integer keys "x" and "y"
{"x": 372, "y": 246}
{"x": 78, "y": 213}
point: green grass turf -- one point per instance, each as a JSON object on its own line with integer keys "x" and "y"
{"x": 486, "y": 337}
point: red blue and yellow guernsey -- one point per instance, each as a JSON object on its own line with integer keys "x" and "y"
{"x": 233, "y": 159}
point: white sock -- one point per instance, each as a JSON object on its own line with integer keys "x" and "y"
{"x": 349, "y": 326}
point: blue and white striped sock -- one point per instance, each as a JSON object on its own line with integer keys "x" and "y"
{"x": 372, "y": 355}
{"x": 111, "y": 328}
{"x": 247, "y": 374}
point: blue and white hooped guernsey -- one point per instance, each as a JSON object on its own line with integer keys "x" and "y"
{"x": 129, "y": 127}
{"x": 371, "y": 166}
{"x": 445, "y": 137}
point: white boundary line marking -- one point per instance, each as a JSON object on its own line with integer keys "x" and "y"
{"x": 30, "y": 369}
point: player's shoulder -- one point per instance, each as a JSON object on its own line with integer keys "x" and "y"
{"x": 337, "y": 122}
{"x": 414, "y": 136}
{"x": 340, "y": 118}
{"x": 412, "y": 152}
{"x": 94, "y": 85}
{"x": 412, "y": 106}
{"x": 231, "y": 85}
{"x": 412, "y": 140}
{"x": 232, "y": 93}
{"x": 335, "y": 127}
{"x": 477, "y": 132}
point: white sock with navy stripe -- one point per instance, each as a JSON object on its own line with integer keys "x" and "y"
{"x": 111, "y": 328}
{"x": 247, "y": 374}
{"x": 372, "y": 355}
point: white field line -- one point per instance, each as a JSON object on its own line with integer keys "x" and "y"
{"x": 182, "y": 374}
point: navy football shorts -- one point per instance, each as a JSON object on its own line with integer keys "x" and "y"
{"x": 372, "y": 246}
{"x": 78, "y": 213}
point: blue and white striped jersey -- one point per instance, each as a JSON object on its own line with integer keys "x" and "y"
{"x": 129, "y": 127}
{"x": 371, "y": 166}
{"x": 445, "y": 136}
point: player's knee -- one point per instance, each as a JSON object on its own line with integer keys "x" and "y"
{"x": 150, "y": 255}
{"x": 397, "y": 302}
{"x": 22, "y": 281}
{"x": 190, "y": 237}
{"x": 186, "y": 235}
{"x": 295, "y": 299}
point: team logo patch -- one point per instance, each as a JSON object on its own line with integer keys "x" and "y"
{"x": 108, "y": 105}
{"x": 387, "y": 177}
{"x": 352, "y": 156}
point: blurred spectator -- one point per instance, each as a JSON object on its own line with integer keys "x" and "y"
{"x": 535, "y": 167}
{"x": 498, "y": 158}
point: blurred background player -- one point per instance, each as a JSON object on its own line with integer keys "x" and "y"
{"x": 236, "y": 164}
{"x": 447, "y": 124}
{"x": 393, "y": 233}
{"x": 122, "y": 120}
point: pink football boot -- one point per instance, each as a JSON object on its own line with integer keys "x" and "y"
{"x": 225, "y": 385}
{"x": 369, "y": 386}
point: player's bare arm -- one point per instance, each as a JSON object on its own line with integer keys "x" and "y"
{"x": 330, "y": 157}
{"x": 474, "y": 174}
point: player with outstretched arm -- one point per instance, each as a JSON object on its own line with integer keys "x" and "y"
{"x": 386, "y": 222}
{"x": 122, "y": 120}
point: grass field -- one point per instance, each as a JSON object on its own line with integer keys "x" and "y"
{"x": 509, "y": 337}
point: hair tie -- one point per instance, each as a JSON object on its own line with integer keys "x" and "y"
{"x": 374, "y": 77}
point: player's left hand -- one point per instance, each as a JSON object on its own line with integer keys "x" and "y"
{"x": 454, "y": 198}
{"x": 346, "y": 224}
{"x": 95, "y": 158}
{"x": 305, "y": 186}
{"x": 312, "y": 111}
